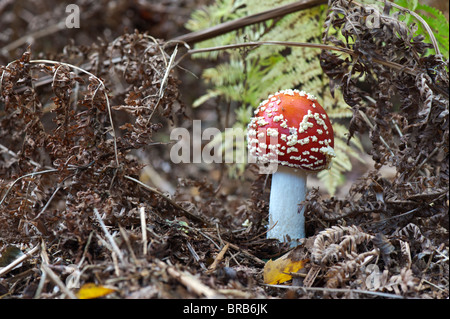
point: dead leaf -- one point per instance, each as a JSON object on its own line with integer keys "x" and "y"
{"x": 9, "y": 254}
{"x": 92, "y": 291}
{"x": 279, "y": 271}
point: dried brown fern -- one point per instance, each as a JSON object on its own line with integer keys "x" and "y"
{"x": 339, "y": 274}
{"x": 417, "y": 136}
{"x": 56, "y": 173}
{"x": 344, "y": 255}
{"x": 403, "y": 283}
{"x": 338, "y": 250}
{"x": 334, "y": 243}
{"x": 405, "y": 112}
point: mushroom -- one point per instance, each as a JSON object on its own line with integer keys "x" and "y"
{"x": 291, "y": 130}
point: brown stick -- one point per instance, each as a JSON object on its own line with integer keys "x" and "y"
{"x": 6, "y": 269}
{"x": 201, "y": 35}
{"x": 189, "y": 281}
{"x": 218, "y": 259}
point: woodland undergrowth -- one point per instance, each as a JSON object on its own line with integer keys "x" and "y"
{"x": 73, "y": 129}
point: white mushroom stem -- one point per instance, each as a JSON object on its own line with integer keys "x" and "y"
{"x": 286, "y": 217}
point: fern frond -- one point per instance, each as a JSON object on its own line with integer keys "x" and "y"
{"x": 218, "y": 12}
{"x": 435, "y": 19}
{"x": 439, "y": 24}
{"x": 332, "y": 178}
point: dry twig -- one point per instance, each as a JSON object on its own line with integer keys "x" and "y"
{"x": 218, "y": 259}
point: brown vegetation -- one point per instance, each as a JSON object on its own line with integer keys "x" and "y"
{"x": 86, "y": 178}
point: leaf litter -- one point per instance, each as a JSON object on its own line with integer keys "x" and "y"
{"x": 77, "y": 131}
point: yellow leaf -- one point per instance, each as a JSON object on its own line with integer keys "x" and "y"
{"x": 278, "y": 271}
{"x": 92, "y": 291}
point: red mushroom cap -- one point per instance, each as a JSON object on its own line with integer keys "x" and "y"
{"x": 292, "y": 129}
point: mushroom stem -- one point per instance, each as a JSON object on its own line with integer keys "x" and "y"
{"x": 286, "y": 217}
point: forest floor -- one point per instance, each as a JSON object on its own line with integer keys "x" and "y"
{"x": 91, "y": 207}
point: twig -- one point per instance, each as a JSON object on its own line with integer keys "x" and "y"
{"x": 154, "y": 190}
{"x": 34, "y": 36}
{"x": 263, "y": 233}
{"x": 433, "y": 285}
{"x": 52, "y": 170}
{"x": 311, "y": 275}
{"x": 57, "y": 281}
{"x": 418, "y": 168}
{"x": 203, "y": 234}
{"x": 366, "y": 119}
{"x": 342, "y": 290}
{"x": 86, "y": 247}
{"x": 17, "y": 261}
{"x": 150, "y": 173}
{"x": 189, "y": 281}
{"x": 164, "y": 80}
{"x": 243, "y": 251}
{"x": 389, "y": 64}
{"x": 384, "y": 220}
{"x": 195, "y": 255}
{"x": 229, "y": 26}
{"x": 144, "y": 230}
{"x": 48, "y": 203}
{"x": 125, "y": 237}
{"x": 40, "y": 286}
{"x": 108, "y": 235}
{"x": 218, "y": 259}
{"x": 7, "y": 150}
{"x": 49, "y": 272}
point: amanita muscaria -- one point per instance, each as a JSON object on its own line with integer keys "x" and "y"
{"x": 292, "y": 130}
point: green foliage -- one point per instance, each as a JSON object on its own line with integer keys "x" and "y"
{"x": 218, "y": 12}
{"x": 249, "y": 75}
{"x": 435, "y": 19}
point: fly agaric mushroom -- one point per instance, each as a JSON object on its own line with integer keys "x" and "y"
{"x": 292, "y": 130}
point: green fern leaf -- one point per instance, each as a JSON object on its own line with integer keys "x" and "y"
{"x": 439, "y": 24}
{"x": 435, "y": 19}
